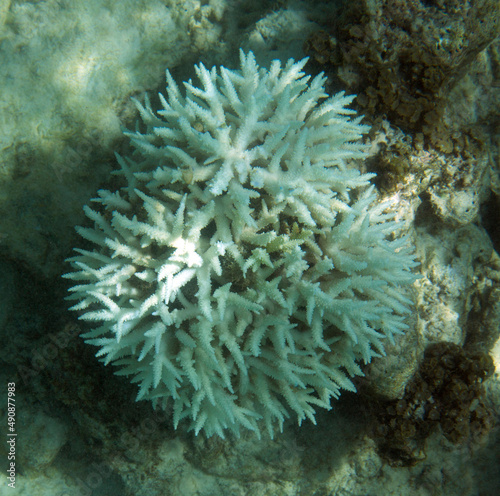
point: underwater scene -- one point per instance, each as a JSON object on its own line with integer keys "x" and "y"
{"x": 250, "y": 248}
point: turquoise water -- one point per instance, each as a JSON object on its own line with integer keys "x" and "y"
{"x": 424, "y": 419}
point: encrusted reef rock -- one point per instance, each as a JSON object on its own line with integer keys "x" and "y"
{"x": 403, "y": 58}
{"x": 447, "y": 392}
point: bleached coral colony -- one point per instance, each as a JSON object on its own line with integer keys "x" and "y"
{"x": 243, "y": 270}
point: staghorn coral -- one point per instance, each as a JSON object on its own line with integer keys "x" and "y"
{"x": 243, "y": 270}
